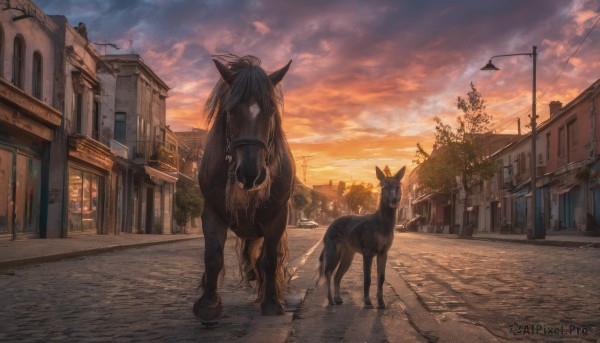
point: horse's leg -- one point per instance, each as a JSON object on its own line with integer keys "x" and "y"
{"x": 345, "y": 263}
{"x": 209, "y": 307}
{"x": 274, "y": 280}
{"x": 381, "y": 261}
{"x": 367, "y": 263}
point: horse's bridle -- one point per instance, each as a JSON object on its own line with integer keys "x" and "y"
{"x": 232, "y": 144}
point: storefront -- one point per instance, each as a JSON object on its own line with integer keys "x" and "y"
{"x": 88, "y": 181}
{"x": 26, "y": 129}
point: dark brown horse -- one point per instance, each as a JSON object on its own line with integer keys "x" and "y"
{"x": 369, "y": 235}
{"x": 246, "y": 178}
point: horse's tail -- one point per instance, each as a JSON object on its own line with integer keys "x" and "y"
{"x": 252, "y": 257}
{"x": 248, "y": 251}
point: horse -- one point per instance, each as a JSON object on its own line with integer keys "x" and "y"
{"x": 246, "y": 177}
{"x": 370, "y": 235}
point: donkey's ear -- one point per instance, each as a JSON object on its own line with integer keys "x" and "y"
{"x": 277, "y": 76}
{"x": 400, "y": 173}
{"x": 226, "y": 74}
{"x": 380, "y": 174}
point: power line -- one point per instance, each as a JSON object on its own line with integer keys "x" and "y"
{"x": 508, "y": 119}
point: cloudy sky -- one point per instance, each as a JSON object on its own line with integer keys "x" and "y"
{"x": 367, "y": 77}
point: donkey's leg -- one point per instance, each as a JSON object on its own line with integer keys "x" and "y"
{"x": 209, "y": 308}
{"x": 272, "y": 268}
{"x": 332, "y": 259}
{"x": 367, "y": 263}
{"x": 346, "y": 261}
{"x": 381, "y": 261}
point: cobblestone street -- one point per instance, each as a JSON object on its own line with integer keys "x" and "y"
{"x": 143, "y": 294}
{"x": 497, "y": 284}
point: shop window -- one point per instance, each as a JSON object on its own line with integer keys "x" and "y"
{"x": 6, "y": 172}
{"x": 37, "y": 75}
{"x": 84, "y": 200}
{"x": 27, "y": 193}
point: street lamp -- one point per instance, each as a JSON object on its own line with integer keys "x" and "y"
{"x": 539, "y": 231}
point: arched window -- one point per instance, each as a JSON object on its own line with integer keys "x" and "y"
{"x": 1, "y": 51}
{"x": 37, "y": 78}
{"x": 18, "y": 62}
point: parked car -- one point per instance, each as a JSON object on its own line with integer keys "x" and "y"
{"x": 400, "y": 228}
{"x": 413, "y": 224}
{"x": 307, "y": 223}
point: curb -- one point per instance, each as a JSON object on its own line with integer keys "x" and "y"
{"x": 541, "y": 242}
{"x": 82, "y": 253}
{"x": 564, "y": 244}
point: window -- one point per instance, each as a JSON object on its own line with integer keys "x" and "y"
{"x": 18, "y": 62}
{"x": 37, "y": 76}
{"x": 1, "y": 51}
{"x": 561, "y": 142}
{"x": 96, "y": 120}
{"x": 572, "y": 133}
{"x": 548, "y": 146}
{"x": 120, "y": 127}
{"x": 77, "y": 111}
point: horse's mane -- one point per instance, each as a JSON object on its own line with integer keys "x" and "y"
{"x": 249, "y": 81}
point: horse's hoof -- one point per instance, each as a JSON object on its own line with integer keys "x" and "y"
{"x": 339, "y": 301}
{"x": 208, "y": 315}
{"x": 272, "y": 309}
{"x": 368, "y": 304}
{"x": 209, "y": 324}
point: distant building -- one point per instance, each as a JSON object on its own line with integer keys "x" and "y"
{"x": 139, "y": 123}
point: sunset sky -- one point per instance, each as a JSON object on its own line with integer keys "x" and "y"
{"x": 367, "y": 77}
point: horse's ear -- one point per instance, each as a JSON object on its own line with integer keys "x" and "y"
{"x": 226, "y": 74}
{"x": 380, "y": 174}
{"x": 277, "y": 76}
{"x": 400, "y": 174}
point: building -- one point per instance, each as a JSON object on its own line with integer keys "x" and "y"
{"x": 139, "y": 124}
{"x": 84, "y": 163}
{"x": 568, "y": 193}
{"x": 84, "y": 145}
{"x": 29, "y": 121}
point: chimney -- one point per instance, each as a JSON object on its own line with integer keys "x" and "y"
{"x": 555, "y": 107}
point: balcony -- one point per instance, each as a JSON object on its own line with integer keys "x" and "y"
{"x": 164, "y": 159}
{"x": 119, "y": 149}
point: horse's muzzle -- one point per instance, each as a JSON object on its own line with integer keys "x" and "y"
{"x": 250, "y": 181}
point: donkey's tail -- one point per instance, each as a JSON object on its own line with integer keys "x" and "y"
{"x": 321, "y": 278}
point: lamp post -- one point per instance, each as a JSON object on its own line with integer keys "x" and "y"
{"x": 539, "y": 231}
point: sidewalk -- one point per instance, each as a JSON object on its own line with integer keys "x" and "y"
{"x": 33, "y": 251}
{"x": 559, "y": 239}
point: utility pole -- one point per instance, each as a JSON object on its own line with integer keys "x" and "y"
{"x": 304, "y": 166}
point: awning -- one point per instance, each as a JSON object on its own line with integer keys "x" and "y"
{"x": 564, "y": 189}
{"x": 422, "y": 198}
{"x": 157, "y": 175}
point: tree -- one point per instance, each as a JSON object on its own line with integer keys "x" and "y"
{"x": 360, "y": 196}
{"x": 459, "y": 152}
{"x": 189, "y": 203}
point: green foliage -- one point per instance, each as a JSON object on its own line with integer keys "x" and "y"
{"x": 459, "y": 151}
{"x": 189, "y": 203}
{"x": 360, "y": 196}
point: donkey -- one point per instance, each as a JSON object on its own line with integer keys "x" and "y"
{"x": 370, "y": 235}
